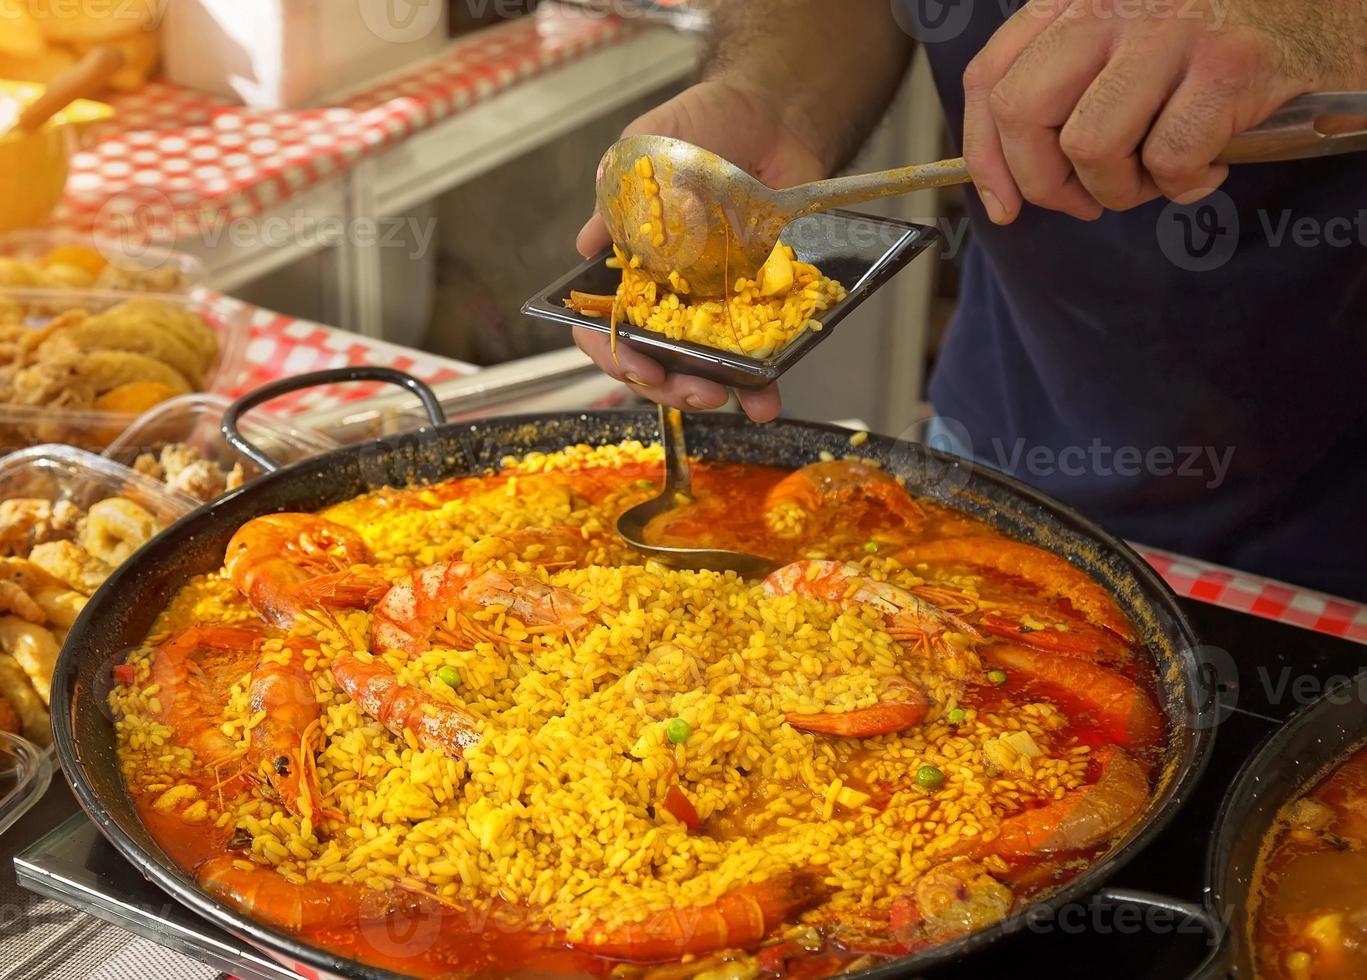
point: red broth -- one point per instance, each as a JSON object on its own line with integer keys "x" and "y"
{"x": 1041, "y": 619}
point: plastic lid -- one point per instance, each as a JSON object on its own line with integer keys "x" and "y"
{"x": 195, "y": 419}
{"x": 25, "y": 772}
{"x": 65, "y": 473}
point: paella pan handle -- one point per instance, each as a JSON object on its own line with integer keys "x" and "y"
{"x": 1216, "y": 963}
{"x": 232, "y": 416}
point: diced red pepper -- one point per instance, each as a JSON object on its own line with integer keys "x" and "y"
{"x": 774, "y": 959}
{"x": 905, "y": 916}
{"x": 679, "y": 805}
{"x": 123, "y": 674}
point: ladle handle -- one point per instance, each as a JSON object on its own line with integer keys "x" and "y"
{"x": 678, "y": 476}
{"x": 1303, "y": 128}
{"x": 1293, "y": 132}
{"x": 837, "y": 192}
{"x": 80, "y": 81}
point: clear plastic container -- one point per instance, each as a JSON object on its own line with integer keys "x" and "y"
{"x": 60, "y": 475}
{"x": 27, "y": 425}
{"x": 63, "y": 473}
{"x": 193, "y": 421}
{"x": 131, "y": 266}
{"x": 25, "y": 772}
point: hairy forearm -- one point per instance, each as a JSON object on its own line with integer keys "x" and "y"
{"x": 830, "y": 67}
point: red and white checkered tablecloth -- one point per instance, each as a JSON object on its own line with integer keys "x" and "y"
{"x": 1259, "y": 596}
{"x": 283, "y": 346}
{"x": 175, "y": 163}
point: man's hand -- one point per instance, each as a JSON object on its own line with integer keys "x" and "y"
{"x": 1080, "y": 105}
{"x": 738, "y": 125}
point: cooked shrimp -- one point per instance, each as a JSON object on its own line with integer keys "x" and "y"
{"x": 884, "y": 718}
{"x": 738, "y": 919}
{"x": 290, "y": 564}
{"x": 400, "y": 707}
{"x": 271, "y": 898}
{"x": 909, "y": 618}
{"x": 1044, "y": 569}
{"x": 848, "y": 489}
{"x": 409, "y": 613}
{"x": 194, "y": 670}
{"x": 284, "y": 742}
{"x": 116, "y": 527}
{"x": 1118, "y": 707}
{"x": 1083, "y": 818}
{"x": 1053, "y": 632}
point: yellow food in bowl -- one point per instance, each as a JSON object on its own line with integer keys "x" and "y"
{"x": 33, "y": 166}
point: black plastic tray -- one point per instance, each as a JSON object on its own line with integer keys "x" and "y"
{"x": 860, "y": 251}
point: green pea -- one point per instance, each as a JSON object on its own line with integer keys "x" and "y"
{"x": 677, "y": 730}
{"x": 956, "y": 716}
{"x": 871, "y": 547}
{"x": 928, "y": 777}
{"x": 449, "y": 676}
{"x": 645, "y": 484}
{"x": 997, "y": 677}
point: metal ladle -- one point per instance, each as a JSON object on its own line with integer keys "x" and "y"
{"x": 714, "y": 218}
{"x": 678, "y": 489}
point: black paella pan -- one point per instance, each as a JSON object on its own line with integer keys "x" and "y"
{"x": 120, "y": 614}
{"x": 1288, "y": 763}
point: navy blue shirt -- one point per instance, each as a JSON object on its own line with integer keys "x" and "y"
{"x": 1192, "y": 378}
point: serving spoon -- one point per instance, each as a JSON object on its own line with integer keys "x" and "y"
{"x": 82, "y": 80}
{"x": 715, "y": 223}
{"x": 678, "y": 490}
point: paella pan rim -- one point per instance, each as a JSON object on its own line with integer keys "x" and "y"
{"x": 118, "y": 615}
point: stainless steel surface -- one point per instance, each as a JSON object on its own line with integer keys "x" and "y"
{"x": 720, "y": 223}
{"x": 1297, "y": 130}
{"x": 678, "y": 490}
{"x": 42, "y": 936}
{"x": 555, "y": 381}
